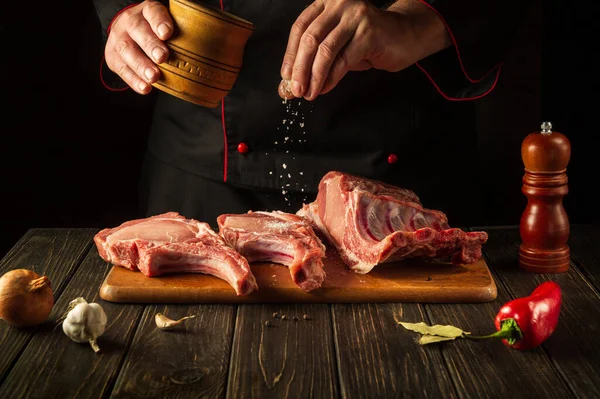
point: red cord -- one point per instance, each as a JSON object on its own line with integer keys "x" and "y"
{"x": 225, "y": 155}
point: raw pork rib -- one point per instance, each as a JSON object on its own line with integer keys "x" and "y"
{"x": 370, "y": 222}
{"x": 277, "y": 237}
{"x": 170, "y": 243}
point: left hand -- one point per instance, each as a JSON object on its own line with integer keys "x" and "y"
{"x": 332, "y": 37}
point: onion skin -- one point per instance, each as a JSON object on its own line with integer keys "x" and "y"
{"x": 26, "y": 298}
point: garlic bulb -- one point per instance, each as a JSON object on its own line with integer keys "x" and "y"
{"x": 85, "y": 322}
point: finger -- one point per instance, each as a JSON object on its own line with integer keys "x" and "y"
{"x": 119, "y": 59}
{"x": 349, "y": 59}
{"x": 159, "y": 19}
{"x": 141, "y": 33}
{"x": 326, "y": 55}
{"x": 307, "y": 50}
{"x": 298, "y": 29}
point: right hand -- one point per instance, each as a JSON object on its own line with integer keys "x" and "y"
{"x": 136, "y": 44}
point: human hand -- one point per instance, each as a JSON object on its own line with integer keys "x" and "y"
{"x": 332, "y": 37}
{"x": 135, "y": 44}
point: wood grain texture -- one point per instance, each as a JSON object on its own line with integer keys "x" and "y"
{"x": 53, "y": 366}
{"x": 408, "y": 281}
{"x": 52, "y": 252}
{"x": 288, "y": 359}
{"x": 489, "y": 367}
{"x": 574, "y": 346}
{"x": 379, "y": 358}
{"x": 190, "y": 361}
{"x": 584, "y": 242}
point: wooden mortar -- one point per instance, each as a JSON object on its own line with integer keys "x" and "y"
{"x": 205, "y": 53}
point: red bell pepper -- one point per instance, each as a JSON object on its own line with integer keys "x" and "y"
{"x": 524, "y": 323}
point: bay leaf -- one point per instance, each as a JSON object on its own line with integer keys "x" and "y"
{"x": 437, "y": 329}
{"x": 430, "y": 339}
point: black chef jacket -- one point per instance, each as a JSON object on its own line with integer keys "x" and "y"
{"x": 415, "y": 128}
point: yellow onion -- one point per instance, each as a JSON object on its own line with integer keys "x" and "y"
{"x": 25, "y": 298}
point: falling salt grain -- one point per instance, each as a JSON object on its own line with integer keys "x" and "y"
{"x": 271, "y": 172}
{"x": 301, "y": 124}
{"x": 301, "y": 173}
{"x": 284, "y": 166}
{"x": 290, "y": 176}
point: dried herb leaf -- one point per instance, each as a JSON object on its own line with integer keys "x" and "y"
{"x": 430, "y": 339}
{"x": 437, "y": 329}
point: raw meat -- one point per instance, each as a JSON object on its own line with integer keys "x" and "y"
{"x": 370, "y": 222}
{"x": 277, "y": 237}
{"x": 170, "y": 243}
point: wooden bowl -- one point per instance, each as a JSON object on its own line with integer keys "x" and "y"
{"x": 205, "y": 53}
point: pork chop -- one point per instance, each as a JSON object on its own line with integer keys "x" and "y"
{"x": 277, "y": 237}
{"x": 170, "y": 243}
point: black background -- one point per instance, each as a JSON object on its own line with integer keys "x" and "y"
{"x": 71, "y": 149}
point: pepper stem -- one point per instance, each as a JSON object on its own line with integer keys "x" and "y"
{"x": 509, "y": 330}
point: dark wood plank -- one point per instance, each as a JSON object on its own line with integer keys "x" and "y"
{"x": 289, "y": 359}
{"x": 53, "y": 365}
{"x": 574, "y": 346}
{"x": 488, "y": 368}
{"x": 189, "y": 362}
{"x": 585, "y": 251}
{"x": 379, "y": 358}
{"x": 55, "y": 253}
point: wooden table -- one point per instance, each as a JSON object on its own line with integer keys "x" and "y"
{"x": 343, "y": 350}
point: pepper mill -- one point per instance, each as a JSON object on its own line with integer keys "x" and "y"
{"x": 544, "y": 225}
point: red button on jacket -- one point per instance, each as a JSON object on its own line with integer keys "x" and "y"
{"x": 242, "y": 148}
{"x": 392, "y": 159}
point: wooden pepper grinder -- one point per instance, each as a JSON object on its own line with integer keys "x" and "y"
{"x": 544, "y": 224}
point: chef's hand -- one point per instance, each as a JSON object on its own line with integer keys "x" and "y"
{"x": 135, "y": 44}
{"x": 332, "y": 37}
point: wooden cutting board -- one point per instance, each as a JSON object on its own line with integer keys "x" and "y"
{"x": 406, "y": 281}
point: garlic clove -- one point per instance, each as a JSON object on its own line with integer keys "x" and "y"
{"x": 164, "y": 323}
